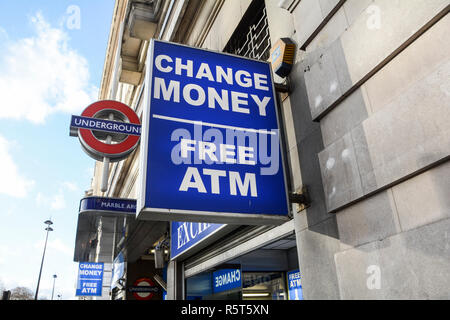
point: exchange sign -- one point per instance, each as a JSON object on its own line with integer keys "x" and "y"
{"x": 211, "y": 147}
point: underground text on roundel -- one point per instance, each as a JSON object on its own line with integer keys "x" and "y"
{"x": 218, "y": 113}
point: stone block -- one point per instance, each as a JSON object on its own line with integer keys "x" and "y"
{"x": 350, "y": 113}
{"x": 316, "y": 248}
{"x": 373, "y": 37}
{"x": 415, "y": 264}
{"x": 332, "y": 30}
{"x": 307, "y": 17}
{"x": 426, "y": 53}
{"x": 354, "y": 8}
{"x": 412, "y": 265}
{"x": 322, "y": 80}
{"x": 411, "y": 132}
{"x": 352, "y": 268}
{"x": 372, "y": 219}
{"x": 405, "y": 137}
{"x": 425, "y": 198}
{"x": 340, "y": 174}
{"x": 327, "y": 5}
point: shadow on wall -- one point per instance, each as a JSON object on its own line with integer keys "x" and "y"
{"x": 309, "y": 144}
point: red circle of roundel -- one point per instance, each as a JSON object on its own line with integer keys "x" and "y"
{"x": 146, "y": 281}
{"x": 104, "y": 148}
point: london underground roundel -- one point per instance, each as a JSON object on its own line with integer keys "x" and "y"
{"x": 107, "y": 129}
{"x": 143, "y": 289}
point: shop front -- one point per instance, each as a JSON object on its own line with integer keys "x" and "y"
{"x": 247, "y": 263}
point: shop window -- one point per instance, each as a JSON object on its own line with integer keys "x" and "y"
{"x": 264, "y": 286}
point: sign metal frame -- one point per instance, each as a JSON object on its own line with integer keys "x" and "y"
{"x": 168, "y": 214}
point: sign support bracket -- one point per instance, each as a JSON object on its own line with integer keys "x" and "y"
{"x": 301, "y": 198}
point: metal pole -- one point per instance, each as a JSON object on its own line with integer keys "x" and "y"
{"x": 54, "y": 280}
{"x": 48, "y": 223}
{"x": 106, "y": 160}
{"x": 42, "y": 263}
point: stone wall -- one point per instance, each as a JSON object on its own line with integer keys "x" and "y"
{"x": 367, "y": 127}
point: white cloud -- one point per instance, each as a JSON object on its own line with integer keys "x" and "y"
{"x": 59, "y": 246}
{"x": 58, "y": 202}
{"x": 41, "y": 75}
{"x": 70, "y": 186}
{"x": 12, "y": 183}
{"x": 54, "y": 245}
{"x": 54, "y": 202}
{"x": 7, "y": 254}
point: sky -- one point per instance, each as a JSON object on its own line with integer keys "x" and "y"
{"x": 51, "y": 60}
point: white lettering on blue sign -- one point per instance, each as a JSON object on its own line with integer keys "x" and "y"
{"x": 295, "y": 285}
{"x": 218, "y": 113}
{"x": 187, "y": 232}
{"x": 117, "y": 205}
{"x": 227, "y": 278}
{"x": 237, "y": 100}
{"x": 90, "y": 272}
{"x": 243, "y": 78}
{"x": 90, "y": 279}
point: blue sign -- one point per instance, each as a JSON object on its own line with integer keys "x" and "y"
{"x": 226, "y": 279}
{"x": 295, "y": 285}
{"x": 112, "y": 205}
{"x": 90, "y": 279}
{"x": 105, "y": 125}
{"x": 210, "y": 148}
{"x": 186, "y": 235}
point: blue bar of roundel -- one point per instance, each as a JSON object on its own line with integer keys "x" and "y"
{"x": 105, "y": 125}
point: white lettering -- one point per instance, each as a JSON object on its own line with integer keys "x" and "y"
{"x": 220, "y": 74}
{"x": 215, "y": 174}
{"x": 249, "y": 181}
{"x": 173, "y": 89}
{"x": 246, "y": 81}
{"x": 187, "y": 182}
{"x": 260, "y": 81}
{"x": 158, "y": 64}
{"x": 261, "y": 104}
{"x": 179, "y": 66}
{"x": 204, "y": 71}
{"x": 236, "y": 102}
{"x": 188, "y": 97}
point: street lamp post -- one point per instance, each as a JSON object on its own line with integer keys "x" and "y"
{"x": 53, "y": 290}
{"x": 48, "y": 229}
